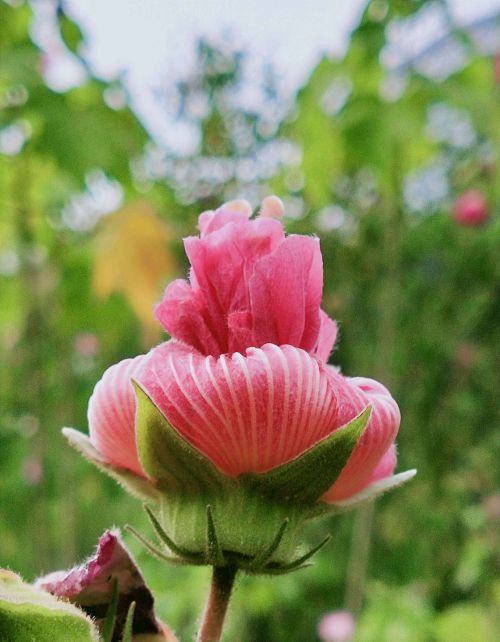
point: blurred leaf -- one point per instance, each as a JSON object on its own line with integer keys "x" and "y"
{"x": 322, "y": 146}
{"x": 70, "y": 32}
{"x": 469, "y": 622}
{"x": 397, "y": 614}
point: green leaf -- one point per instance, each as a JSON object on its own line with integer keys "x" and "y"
{"x": 307, "y": 477}
{"x": 129, "y": 622}
{"x": 136, "y": 485}
{"x": 28, "y": 614}
{"x": 167, "y": 457}
{"x": 71, "y": 33}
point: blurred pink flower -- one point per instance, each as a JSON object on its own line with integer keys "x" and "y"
{"x": 338, "y": 626}
{"x": 86, "y": 344}
{"x": 471, "y": 208}
{"x": 244, "y": 378}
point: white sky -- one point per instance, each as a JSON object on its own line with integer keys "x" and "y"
{"x": 152, "y": 41}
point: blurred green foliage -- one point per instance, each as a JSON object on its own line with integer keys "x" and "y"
{"x": 369, "y": 159}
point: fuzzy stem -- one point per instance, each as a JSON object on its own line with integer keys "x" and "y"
{"x": 217, "y": 602}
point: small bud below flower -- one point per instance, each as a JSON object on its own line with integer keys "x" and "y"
{"x": 338, "y": 626}
{"x": 272, "y": 206}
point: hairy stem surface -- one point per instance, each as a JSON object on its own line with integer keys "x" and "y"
{"x": 217, "y": 602}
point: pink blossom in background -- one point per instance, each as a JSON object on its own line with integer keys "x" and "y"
{"x": 244, "y": 377}
{"x": 86, "y": 344}
{"x": 471, "y": 208}
{"x": 338, "y": 626}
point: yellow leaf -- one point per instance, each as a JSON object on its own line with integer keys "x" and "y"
{"x": 133, "y": 258}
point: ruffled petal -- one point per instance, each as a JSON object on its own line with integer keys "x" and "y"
{"x": 222, "y": 261}
{"x": 285, "y": 294}
{"x": 246, "y": 413}
{"x": 367, "y": 460}
{"x": 183, "y": 314}
{"x": 111, "y": 414}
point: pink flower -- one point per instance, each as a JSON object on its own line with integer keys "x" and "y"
{"x": 244, "y": 377}
{"x": 338, "y": 626}
{"x": 471, "y": 208}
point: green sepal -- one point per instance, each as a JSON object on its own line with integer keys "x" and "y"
{"x": 306, "y": 478}
{"x": 215, "y": 555}
{"x": 137, "y": 486}
{"x": 259, "y": 559}
{"x": 267, "y": 553}
{"x": 28, "y": 613}
{"x": 301, "y": 561}
{"x": 129, "y": 624}
{"x": 109, "y": 623}
{"x": 167, "y": 457}
{"x": 164, "y": 538}
{"x": 152, "y": 549}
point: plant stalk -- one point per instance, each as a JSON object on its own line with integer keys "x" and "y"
{"x": 216, "y": 607}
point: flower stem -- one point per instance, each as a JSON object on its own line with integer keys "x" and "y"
{"x": 360, "y": 551}
{"x": 217, "y": 602}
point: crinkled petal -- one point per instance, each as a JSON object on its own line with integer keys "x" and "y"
{"x": 245, "y": 413}
{"x": 370, "y": 458}
{"x": 182, "y": 312}
{"x": 222, "y": 261}
{"x": 90, "y": 587}
{"x": 285, "y": 294}
{"x": 111, "y": 414}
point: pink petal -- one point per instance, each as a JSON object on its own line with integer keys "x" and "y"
{"x": 385, "y": 467}
{"x": 326, "y": 337}
{"x": 182, "y": 313}
{"x": 111, "y": 414}
{"x": 94, "y": 574}
{"x": 245, "y": 413}
{"x": 353, "y": 395}
{"x": 232, "y": 212}
{"x": 222, "y": 263}
{"x": 285, "y": 293}
{"x": 220, "y": 260}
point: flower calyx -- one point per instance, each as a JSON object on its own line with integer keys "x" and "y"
{"x": 252, "y": 521}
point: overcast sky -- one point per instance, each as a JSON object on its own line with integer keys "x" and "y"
{"x": 153, "y": 40}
